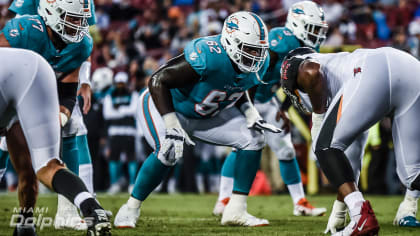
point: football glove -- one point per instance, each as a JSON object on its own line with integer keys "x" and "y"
{"x": 255, "y": 121}
{"x": 337, "y": 219}
{"x": 173, "y": 145}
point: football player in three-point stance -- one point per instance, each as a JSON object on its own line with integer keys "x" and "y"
{"x": 60, "y": 35}
{"x": 200, "y": 94}
{"x": 361, "y": 88}
{"x": 305, "y": 26}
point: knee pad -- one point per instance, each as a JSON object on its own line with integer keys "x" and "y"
{"x": 257, "y": 142}
{"x": 285, "y": 153}
{"x": 335, "y": 166}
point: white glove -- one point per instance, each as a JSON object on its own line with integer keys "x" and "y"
{"x": 316, "y": 124}
{"x": 173, "y": 144}
{"x": 255, "y": 121}
{"x": 337, "y": 218}
{"x": 63, "y": 119}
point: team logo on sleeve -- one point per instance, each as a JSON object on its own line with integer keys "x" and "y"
{"x": 274, "y": 43}
{"x": 19, "y": 3}
{"x": 13, "y": 32}
{"x": 193, "y": 56}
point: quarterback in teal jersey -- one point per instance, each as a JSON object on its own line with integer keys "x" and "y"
{"x": 305, "y": 26}
{"x": 202, "y": 94}
{"x": 60, "y": 35}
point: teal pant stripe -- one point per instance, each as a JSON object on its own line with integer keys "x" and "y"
{"x": 150, "y": 124}
{"x": 84, "y": 153}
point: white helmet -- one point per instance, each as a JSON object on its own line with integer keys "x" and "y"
{"x": 101, "y": 78}
{"x": 68, "y": 18}
{"x": 245, "y": 39}
{"x": 307, "y": 22}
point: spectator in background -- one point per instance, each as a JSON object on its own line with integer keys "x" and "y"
{"x": 399, "y": 40}
{"x": 414, "y": 40}
{"x": 333, "y": 11}
{"x": 119, "y": 111}
{"x": 336, "y": 39}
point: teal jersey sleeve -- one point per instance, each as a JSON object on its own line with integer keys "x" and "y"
{"x": 30, "y": 7}
{"x": 24, "y": 7}
{"x": 195, "y": 54}
{"x": 20, "y": 31}
{"x": 282, "y": 40}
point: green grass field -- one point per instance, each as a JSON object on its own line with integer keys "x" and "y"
{"x": 191, "y": 215}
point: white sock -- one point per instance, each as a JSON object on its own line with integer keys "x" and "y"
{"x": 412, "y": 195}
{"x": 133, "y": 203}
{"x": 296, "y": 192}
{"x": 86, "y": 174}
{"x": 238, "y": 200}
{"x": 226, "y": 187}
{"x": 81, "y": 197}
{"x": 354, "y": 202}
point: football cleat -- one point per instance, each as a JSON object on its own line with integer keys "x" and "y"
{"x": 114, "y": 189}
{"x": 366, "y": 226}
{"x": 406, "y": 214}
{"x": 304, "y": 208}
{"x": 24, "y": 230}
{"x": 408, "y": 221}
{"x": 67, "y": 216}
{"x": 126, "y": 217}
{"x": 99, "y": 224}
{"x": 220, "y": 206}
{"x": 236, "y": 214}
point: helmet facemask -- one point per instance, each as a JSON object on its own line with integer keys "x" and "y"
{"x": 315, "y": 34}
{"x": 72, "y": 27}
{"x": 250, "y": 58}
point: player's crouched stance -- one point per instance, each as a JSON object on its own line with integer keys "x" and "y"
{"x": 200, "y": 94}
{"x": 28, "y": 93}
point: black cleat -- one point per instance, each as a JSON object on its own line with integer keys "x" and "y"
{"x": 98, "y": 223}
{"x": 24, "y": 230}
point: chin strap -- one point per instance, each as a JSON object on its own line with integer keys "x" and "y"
{"x": 259, "y": 79}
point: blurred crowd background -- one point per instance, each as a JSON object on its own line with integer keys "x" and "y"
{"x": 135, "y": 37}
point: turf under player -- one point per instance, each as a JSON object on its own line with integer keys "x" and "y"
{"x": 30, "y": 121}
{"x": 200, "y": 94}
{"x": 305, "y": 26}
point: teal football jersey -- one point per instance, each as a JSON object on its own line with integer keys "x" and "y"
{"x": 219, "y": 87}
{"x": 30, "y": 7}
{"x": 281, "y": 41}
{"x": 29, "y": 32}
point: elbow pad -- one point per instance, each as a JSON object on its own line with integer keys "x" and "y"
{"x": 67, "y": 94}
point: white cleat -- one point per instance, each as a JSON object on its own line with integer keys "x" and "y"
{"x": 235, "y": 214}
{"x": 304, "y": 208}
{"x": 126, "y": 217}
{"x": 220, "y": 206}
{"x": 114, "y": 189}
{"x": 406, "y": 214}
{"x": 67, "y": 216}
